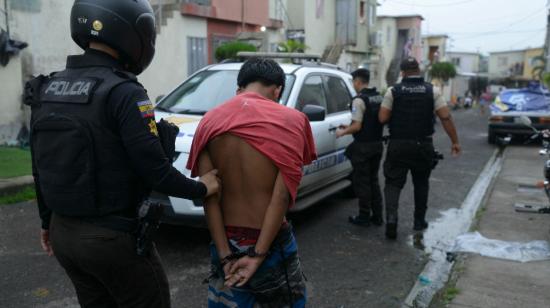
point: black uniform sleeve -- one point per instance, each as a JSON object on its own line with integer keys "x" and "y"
{"x": 44, "y": 212}
{"x": 134, "y": 118}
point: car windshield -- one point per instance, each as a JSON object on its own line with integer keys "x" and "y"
{"x": 206, "y": 90}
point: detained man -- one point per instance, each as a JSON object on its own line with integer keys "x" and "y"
{"x": 259, "y": 148}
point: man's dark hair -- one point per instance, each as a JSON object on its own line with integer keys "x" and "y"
{"x": 265, "y": 71}
{"x": 410, "y": 64}
{"x": 362, "y": 74}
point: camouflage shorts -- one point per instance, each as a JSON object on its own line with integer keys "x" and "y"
{"x": 279, "y": 281}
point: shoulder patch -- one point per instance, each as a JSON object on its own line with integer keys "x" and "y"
{"x": 68, "y": 90}
{"x": 146, "y": 109}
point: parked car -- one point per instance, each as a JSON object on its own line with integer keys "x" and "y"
{"x": 306, "y": 84}
{"x": 511, "y": 104}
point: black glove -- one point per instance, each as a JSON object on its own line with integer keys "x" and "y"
{"x": 167, "y": 134}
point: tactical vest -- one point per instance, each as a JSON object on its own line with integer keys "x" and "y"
{"x": 413, "y": 110}
{"x": 78, "y": 157}
{"x": 371, "y": 129}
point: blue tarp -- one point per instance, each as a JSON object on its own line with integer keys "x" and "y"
{"x": 533, "y": 98}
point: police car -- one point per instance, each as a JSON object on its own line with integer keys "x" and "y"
{"x": 309, "y": 83}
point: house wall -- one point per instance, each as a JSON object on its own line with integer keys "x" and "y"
{"x": 469, "y": 63}
{"x": 296, "y": 13}
{"x": 414, "y": 25}
{"x": 388, "y": 27}
{"x": 319, "y": 30}
{"x": 255, "y": 11}
{"x": 530, "y": 62}
{"x": 170, "y": 65}
{"x": 501, "y": 63}
{"x": 12, "y": 115}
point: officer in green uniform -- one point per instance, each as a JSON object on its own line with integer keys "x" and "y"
{"x": 366, "y": 150}
{"x": 409, "y": 108}
{"x": 96, "y": 153}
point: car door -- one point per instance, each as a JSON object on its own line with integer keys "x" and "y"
{"x": 338, "y": 113}
{"x": 312, "y": 93}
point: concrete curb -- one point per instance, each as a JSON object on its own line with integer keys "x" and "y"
{"x": 12, "y": 185}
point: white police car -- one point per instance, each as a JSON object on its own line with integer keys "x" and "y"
{"x": 310, "y": 83}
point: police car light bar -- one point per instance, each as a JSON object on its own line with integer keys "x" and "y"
{"x": 279, "y": 55}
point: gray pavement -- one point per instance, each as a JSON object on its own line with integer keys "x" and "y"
{"x": 493, "y": 283}
{"x": 346, "y": 265}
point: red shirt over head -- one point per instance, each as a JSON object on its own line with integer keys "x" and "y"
{"x": 280, "y": 133}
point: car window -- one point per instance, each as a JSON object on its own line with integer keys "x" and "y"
{"x": 337, "y": 93}
{"x": 207, "y": 90}
{"x": 312, "y": 93}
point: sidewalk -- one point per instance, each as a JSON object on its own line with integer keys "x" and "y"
{"x": 13, "y": 184}
{"x": 488, "y": 283}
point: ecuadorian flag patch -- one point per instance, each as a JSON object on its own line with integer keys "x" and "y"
{"x": 146, "y": 109}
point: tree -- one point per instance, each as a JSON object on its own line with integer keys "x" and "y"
{"x": 539, "y": 69}
{"x": 292, "y": 46}
{"x": 229, "y": 50}
{"x": 443, "y": 71}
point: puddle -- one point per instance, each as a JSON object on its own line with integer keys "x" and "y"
{"x": 440, "y": 237}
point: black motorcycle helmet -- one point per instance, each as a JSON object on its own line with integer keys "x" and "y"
{"x": 128, "y": 26}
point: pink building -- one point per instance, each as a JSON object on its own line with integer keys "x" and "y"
{"x": 227, "y": 18}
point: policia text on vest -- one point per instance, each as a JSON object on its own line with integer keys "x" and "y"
{"x": 96, "y": 154}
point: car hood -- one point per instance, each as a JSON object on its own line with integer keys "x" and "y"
{"x": 522, "y": 100}
{"x": 186, "y": 123}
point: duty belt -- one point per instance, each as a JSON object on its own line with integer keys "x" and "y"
{"x": 422, "y": 139}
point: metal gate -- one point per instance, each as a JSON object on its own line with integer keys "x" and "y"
{"x": 197, "y": 55}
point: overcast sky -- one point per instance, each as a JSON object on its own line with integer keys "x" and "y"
{"x": 484, "y": 25}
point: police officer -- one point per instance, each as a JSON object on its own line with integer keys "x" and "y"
{"x": 365, "y": 152}
{"x": 409, "y": 108}
{"x": 96, "y": 152}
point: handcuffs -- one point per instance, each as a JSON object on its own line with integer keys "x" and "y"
{"x": 250, "y": 252}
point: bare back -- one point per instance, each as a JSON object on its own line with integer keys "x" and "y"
{"x": 248, "y": 178}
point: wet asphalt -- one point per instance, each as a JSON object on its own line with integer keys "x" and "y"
{"x": 346, "y": 265}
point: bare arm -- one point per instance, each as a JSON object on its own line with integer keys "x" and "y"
{"x": 243, "y": 269}
{"x": 349, "y": 130}
{"x": 384, "y": 115}
{"x": 449, "y": 126}
{"x": 213, "y": 210}
{"x": 274, "y": 215}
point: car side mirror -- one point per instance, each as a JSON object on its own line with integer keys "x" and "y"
{"x": 159, "y": 98}
{"x": 314, "y": 113}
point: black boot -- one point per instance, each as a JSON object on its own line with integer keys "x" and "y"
{"x": 377, "y": 221}
{"x": 391, "y": 230}
{"x": 420, "y": 225}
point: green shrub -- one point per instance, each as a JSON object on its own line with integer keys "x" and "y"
{"x": 229, "y": 50}
{"x": 443, "y": 71}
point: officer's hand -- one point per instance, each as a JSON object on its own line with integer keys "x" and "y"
{"x": 456, "y": 149}
{"x": 45, "y": 242}
{"x": 212, "y": 183}
{"x": 340, "y": 133}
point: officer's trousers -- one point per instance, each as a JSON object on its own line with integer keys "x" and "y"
{"x": 105, "y": 268}
{"x": 365, "y": 158}
{"x": 404, "y": 156}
